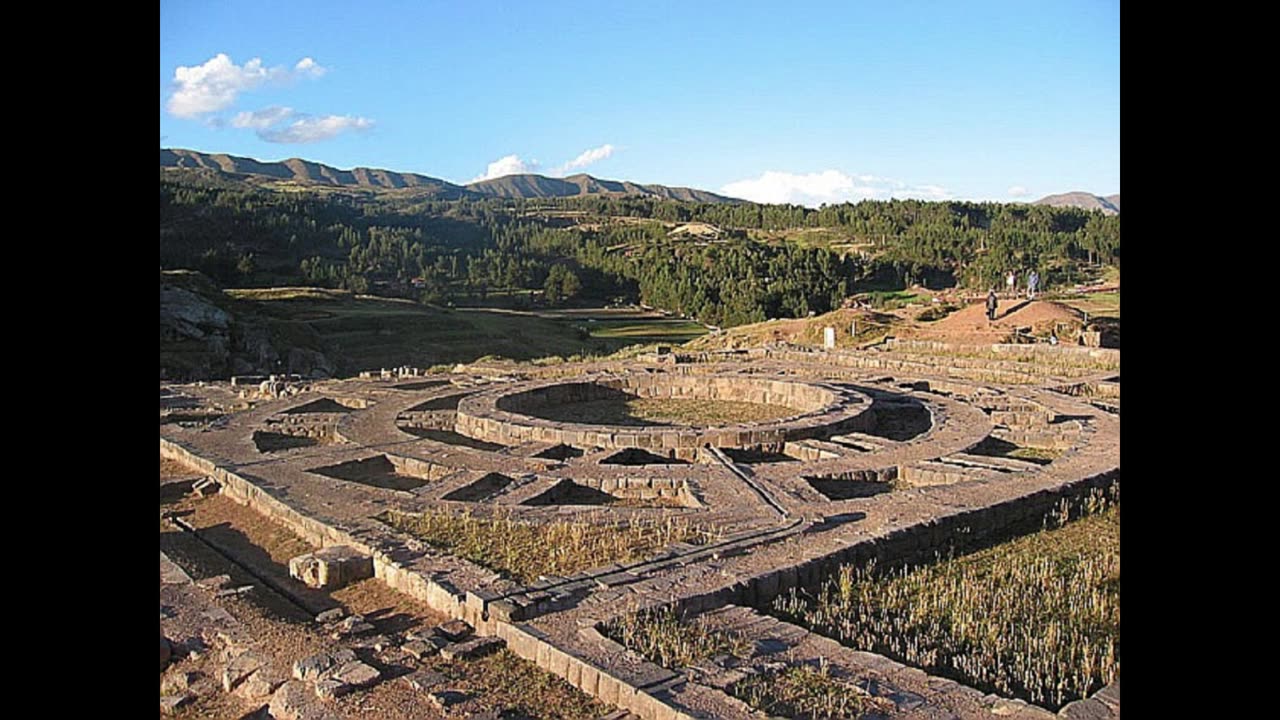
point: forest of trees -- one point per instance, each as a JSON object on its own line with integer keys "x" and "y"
{"x": 439, "y": 251}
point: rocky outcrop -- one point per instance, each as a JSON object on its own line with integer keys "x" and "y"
{"x": 204, "y": 336}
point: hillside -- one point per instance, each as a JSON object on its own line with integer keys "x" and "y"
{"x": 207, "y": 333}
{"x": 539, "y": 186}
{"x": 305, "y": 172}
{"x": 1109, "y": 205}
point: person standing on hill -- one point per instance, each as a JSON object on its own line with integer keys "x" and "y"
{"x": 1033, "y": 284}
{"x": 1011, "y": 283}
{"x": 991, "y": 305}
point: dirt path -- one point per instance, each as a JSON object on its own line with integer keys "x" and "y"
{"x": 970, "y": 325}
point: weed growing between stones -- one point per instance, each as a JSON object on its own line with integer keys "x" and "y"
{"x": 562, "y": 547}
{"x": 1036, "y": 618}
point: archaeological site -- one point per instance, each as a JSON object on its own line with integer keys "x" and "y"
{"x": 668, "y": 536}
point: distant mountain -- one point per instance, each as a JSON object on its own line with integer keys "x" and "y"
{"x": 305, "y": 171}
{"x": 1109, "y": 205}
{"x": 512, "y": 186}
{"x": 540, "y": 186}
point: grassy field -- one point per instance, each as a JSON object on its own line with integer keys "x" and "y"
{"x": 362, "y": 332}
{"x": 1036, "y": 618}
{"x": 562, "y": 547}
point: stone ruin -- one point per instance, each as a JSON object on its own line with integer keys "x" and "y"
{"x": 883, "y": 455}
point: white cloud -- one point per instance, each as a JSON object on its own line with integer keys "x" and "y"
{"x": 1018, "y": 191}
{"x": 309, "y": 129}
{"x": 307, "y": 66}
{"x": 213, "y": 86}
{"x": 586, "y": 158}
{"x": 828, "y": 186}
{"x": 262, "y": 119}
{"x": 508, "y": 165}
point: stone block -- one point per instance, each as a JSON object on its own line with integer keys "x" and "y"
{"x": 472, "y": 649}
{"x": 357, "y": 674}
{"x": 331, "y": 615}
{"x": 454, "y": 630}
{"x": 329, "y": 688}
{"x": 331, "y": 568}
{"x": 420, "y": 649}
{"x": 260, "y": 684}
{"x": 425, "y": 680}
{"x": 239, "y": 668}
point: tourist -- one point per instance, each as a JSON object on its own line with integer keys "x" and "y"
{"x": 991, "y": 305}
{"x": 1033, "y": 283}
{"x": 1011, "y": 283}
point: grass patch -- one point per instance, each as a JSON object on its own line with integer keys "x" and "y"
{"x": 992, "y": 446}
{"x": 1036, "y": 618}
{"x": 665, "y": 411}
{"x": 799, "y": 691}
{"x": 805, "y": 692}
{"x": 1098, "y": 305}
{"x": 657, "y": 330}
{"x": 1034, "y": 453}
{"x": 521, "y": 689}
{"x": 662, "y": 637}
{"x": 891, "y": 299}
{"x": 562, "y": 547}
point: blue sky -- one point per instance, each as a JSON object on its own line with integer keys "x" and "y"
{"x": 804, "y": 102}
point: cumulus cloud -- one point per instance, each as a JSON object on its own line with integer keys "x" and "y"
{"x": 1018, "y": 191}
{"x": 262, "y": 119}
{"x": 827, "y": 187}
{"x": 203, "y": 89}
{"x": 309, "y": 129}
{"x": 508, "y": 165}
{"x": 310, "y": 68}
{"x": 587, "y": 157}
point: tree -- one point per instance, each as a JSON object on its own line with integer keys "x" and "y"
{"x": 562, "y": 284}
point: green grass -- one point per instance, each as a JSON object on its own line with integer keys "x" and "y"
{"x": 892, "y": 299}
{"x": 368, "y": 333}
{"x": 655, "y": 330}
{"x": 1036, "y": 618}
{"x": 561, "y": 547}
{"x": 1104, "y": 304}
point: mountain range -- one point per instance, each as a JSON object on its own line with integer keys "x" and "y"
{"x": 511, "y": 186}
{"x": 1109, "y": 205}
{"x": 306, "y": 172}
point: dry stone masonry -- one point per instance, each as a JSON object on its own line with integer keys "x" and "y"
{"x": 885, "y": 454}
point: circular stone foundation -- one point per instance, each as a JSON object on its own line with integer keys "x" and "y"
{"x": 519, "y": 414}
